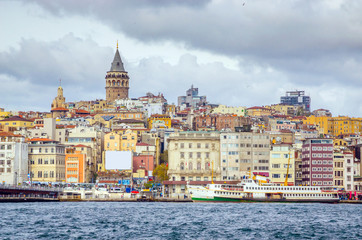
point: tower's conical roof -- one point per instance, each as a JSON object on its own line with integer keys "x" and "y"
{"x": 117, "y": 64}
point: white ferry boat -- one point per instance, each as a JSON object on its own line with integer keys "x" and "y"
{"x": 249, "y": 191}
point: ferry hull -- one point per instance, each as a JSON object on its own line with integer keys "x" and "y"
{"x": 223, "y": 199}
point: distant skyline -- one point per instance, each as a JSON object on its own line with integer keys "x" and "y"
{"x": 236, "y": 54}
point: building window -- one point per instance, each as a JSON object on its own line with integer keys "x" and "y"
{"x": 198, "y": 155}
{"x": 182, "y": 145}
{"x": 207, "y": 166}
{"x": 39, "y": 174}
{"x": 182, "y": 167}
{"x": 206, "y": 145}
{"x": 182, "y": 155}
{"x": 199, "y": 145}
{"x": 190, "y": 155}
{"x": 190, "y": 166}
{"x": 190, "y": 145}
{"x": 207, "y": 155}
{"x": 198, "y": 166}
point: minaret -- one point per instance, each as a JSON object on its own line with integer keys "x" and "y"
{"x": 117, "y": 80}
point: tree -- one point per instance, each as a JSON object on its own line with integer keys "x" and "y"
{"x": 164, "y": 157}
{"x": 160, "y": 173}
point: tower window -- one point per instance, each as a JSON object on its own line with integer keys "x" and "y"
{"x": 117, "y": 63}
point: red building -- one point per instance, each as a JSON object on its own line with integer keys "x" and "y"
{"x": 317, "y": 162}
{"x": 145, "y": 162}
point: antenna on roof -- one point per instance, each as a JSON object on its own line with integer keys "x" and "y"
{"x": 117, "y": 44}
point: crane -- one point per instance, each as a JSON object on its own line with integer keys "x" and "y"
{"x": 286, "y": 177}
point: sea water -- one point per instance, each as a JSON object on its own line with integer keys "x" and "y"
{"x": 124, "y": 220}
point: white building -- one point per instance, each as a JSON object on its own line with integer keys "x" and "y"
{"x": 242, "y": 152}
{"x": 13, "y": 159}
{"x": 153, "y": 108}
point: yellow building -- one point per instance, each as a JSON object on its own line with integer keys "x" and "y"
{"x": 129, "y": 141}
{"x": 124, "y": 115}
{"x": 322, "y": 123}
{"x": 59, "y": 100}
{"x": 112, "y": 142}
{"x": 258, "y": 111}
{"x": 46, "y": 160}
{"x": 279, "y": 157}
{"x": 16, "y": 122}
{"x": 159, "y": 121}
{"x": 283, "y": 109}
{"x": 4, "y": 114}
{"x": 171, "y": 110}
{"x": 335, "y": 125}
{"x": 345, "y": 125}
{"x": 222, "y": 109}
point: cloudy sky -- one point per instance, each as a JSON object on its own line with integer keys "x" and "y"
{"x": 237, "y": 52}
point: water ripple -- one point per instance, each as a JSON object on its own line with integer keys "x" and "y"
{"x": 179, "y": 221}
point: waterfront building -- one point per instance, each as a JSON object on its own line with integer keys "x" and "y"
{"x": 117, "y": 80}
{"x": 153, "y": 139}
{"x": 343, "y": 170}
{"x": 88, "y": 136}
{"x": 191, "y": 157}
{"x": 13, "y": 159}
{"x": 75, "y": 166}
{"x": 144, "y": 163}
{"x": 317, "y": 162}
{"x": 47, "y": 160}
{"x": 222, "y": 109}
{"x": 296, "y": 98}
{"x": 282, "y": 157}
{"x": 242, "y": 152}
{"x": 298, "y": 167}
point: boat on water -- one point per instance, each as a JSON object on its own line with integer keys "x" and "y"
{"x": 250, "y": 190}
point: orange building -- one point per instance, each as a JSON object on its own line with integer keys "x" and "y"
{"x": 75, "y": 166}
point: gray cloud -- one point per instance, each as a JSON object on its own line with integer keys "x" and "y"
{"x": 297, "y": 37}
{"x": 280, "y": 45}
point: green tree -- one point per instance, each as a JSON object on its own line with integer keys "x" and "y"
{"x": 164, "y": 157}
{"x": 160, "y": 173}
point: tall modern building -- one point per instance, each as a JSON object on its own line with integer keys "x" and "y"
{"x": 117, "y": 80}
{"x": 317, "y": 162}
{"x": 192, "y": 98}
{"x": 296, "y": 98}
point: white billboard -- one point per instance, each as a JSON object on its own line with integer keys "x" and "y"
{"x": 118, "y": 160}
